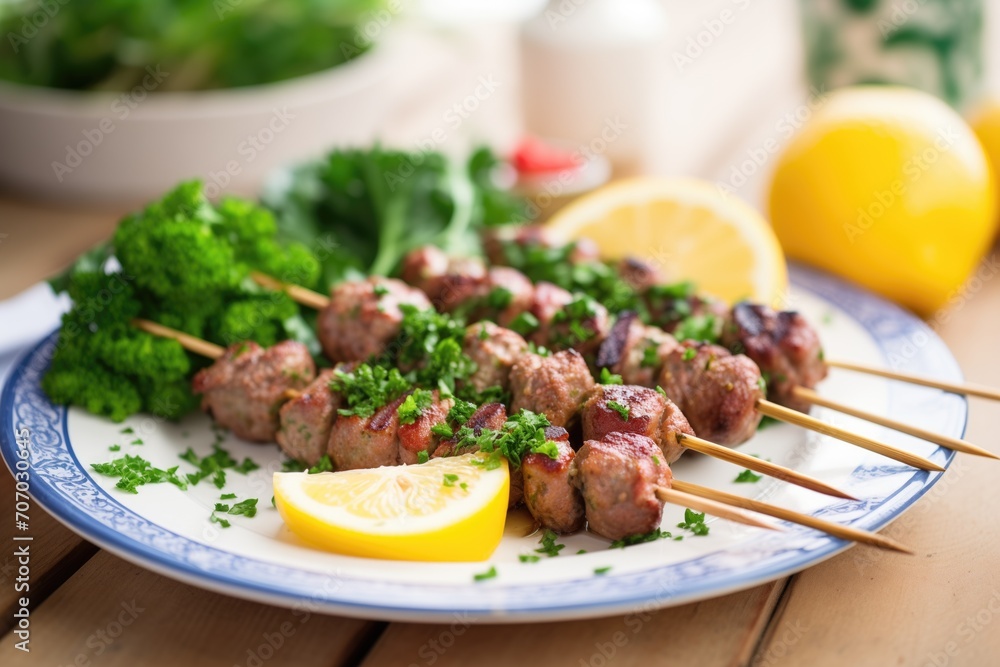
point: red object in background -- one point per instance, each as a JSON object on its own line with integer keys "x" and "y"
{"x": 533, "y": 157}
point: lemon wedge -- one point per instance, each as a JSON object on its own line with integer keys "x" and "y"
{"x": 690, "y": 229}
{"x": 448, "y": 509}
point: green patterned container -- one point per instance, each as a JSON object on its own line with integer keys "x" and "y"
{"x": 933, "y": 45}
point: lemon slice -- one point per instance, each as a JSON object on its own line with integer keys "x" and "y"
{"x": 449, "y": 509}
{"x": 690, "y": 229}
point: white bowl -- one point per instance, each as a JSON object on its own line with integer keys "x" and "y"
{"x": 126, "y": 148}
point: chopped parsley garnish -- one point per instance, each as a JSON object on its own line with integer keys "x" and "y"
{"x": 499, "y": 298}
{"x": 227, "y": 496}
{"x": 607, "y": 377}
{"x": 247, "y": 508}
{"x": 650, "y": 356}
{"x": 442, "y": 430}
{"x": 540, "y": 350}
{"x": 247, "y": 466}
{"x": 135, "y": 471}
{"x": 702, "y": 328}
{"x": 488, "y": 574}
{"x": 323, "y": 465}
{"x": 600, "y": 571}
{"x": 622, "y": 410}
{"x": 446, "y": 365}
{"x": 115, "y": 448}
{"x": 524, "y": 323}
{"x": 529, "y": 558}
{"x": 483, "y": 333}
{"x": 766, "y": 422}
{"x": 762, "y": 383}
{"x": 652, "y": 536}
{"x": 422, "y": 330}
{"x": 661, "y": 391}
{"x": 522, "y": 434}
{"x": 137, "y": 441}
{"x": 681, "y": 290}
{"x": 581, "y": 551}
{"x": 215, "y": 465}
{"x": 422, "y": 456}
{"x": 461, "y": 412}
{"x": 695, "y": 522}
{"x": 368, "y": 388}
{"x": 450, "y": 479}
{"x": 690, "y": 354}
{"x": 578, "y": 315}
{"x": 128, "y": 430}
{"x": 656, "y": 459}
{"x": 747, "y": 477}
{"x": 549, "y": 546}
{"x": 380, "y": 290}
{"x": 292, "y": 465}
{"x": 413, "y": 407}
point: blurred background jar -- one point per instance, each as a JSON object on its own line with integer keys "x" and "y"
{"x": 593, "y": 75}
{"x": 933, "y": 45}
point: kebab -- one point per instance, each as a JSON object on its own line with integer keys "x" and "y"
{"x": 559, "y": 319}
{"x": 617, "y": 481}
{"x": 372, "y": 310}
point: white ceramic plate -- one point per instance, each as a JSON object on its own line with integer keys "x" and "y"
{"x": 168, "y": 530}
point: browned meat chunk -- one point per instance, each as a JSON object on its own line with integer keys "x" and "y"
{"x": 555, "y": 386}
{"x": 715, "y": 390}
{"x": 416, "y": 436}
{"x": 547, "y": 300}
{"x": 633, "y": 350}
{"x": 449, "y": 283}
{"x": 363, "y": 317}
{"x": 244, "y": 389}
{"x": 618, "y": 477}
{"x": 494, "y": 349}
{"x": 554, "y": 502}
{"x": 639, "y": 274}
{"x": 785, "y": 347}
{"x": 306, "y": 420}
{"x": 423, "y": 265}
{"x": 617, "y": 408}
{"x": 366, "y": 442}
{"x": 509, "y": 294}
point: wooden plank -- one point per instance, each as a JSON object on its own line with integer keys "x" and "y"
{"x": 113, "y": 613}
{"x": 37, "y": 241}
{"x": 941, "y": 607}
{"x": 720, "y": 632}
{"x": 55, "y": 554}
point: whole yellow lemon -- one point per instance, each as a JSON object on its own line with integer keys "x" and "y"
{"x": 889, "y": 188}
{"x": 985, "y": 123}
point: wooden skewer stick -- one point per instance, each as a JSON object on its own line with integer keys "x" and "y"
{"x": 187, "y": 341}
{"x": 835, "y": 529}
{"x": 945, "y": 441}
{"x": 305, "y": 296}
{"x": 709, "y": 506}
{"x": 784, "y": 414}
{"x": 968, "y": 388}
{"x": 759, "y": 465}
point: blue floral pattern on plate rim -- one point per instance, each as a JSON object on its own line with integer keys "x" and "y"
{"x": 60, "y": 483}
